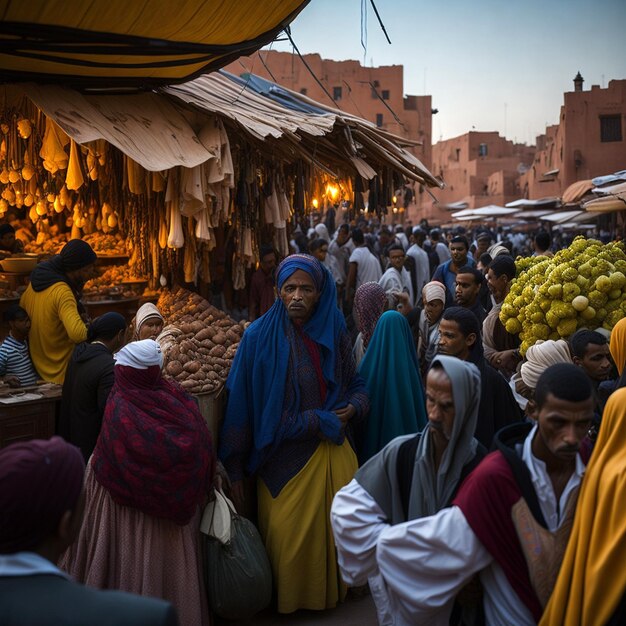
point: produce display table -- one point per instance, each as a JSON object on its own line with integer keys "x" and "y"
{"x": 28, "y": 413}
{"x": 125, "y": 306}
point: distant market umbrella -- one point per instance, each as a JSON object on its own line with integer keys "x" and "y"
{"x": 607, "y": 204}
{"x": 576, "y": 191}
{"x": 119, "y": 45}
{"x": 493, "y": 210}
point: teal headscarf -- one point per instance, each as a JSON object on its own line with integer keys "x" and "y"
{"x": 391, "y": 372}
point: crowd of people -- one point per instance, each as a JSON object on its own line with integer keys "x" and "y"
{"x": 381, "y": 429}
{"x": 468, "y": 483}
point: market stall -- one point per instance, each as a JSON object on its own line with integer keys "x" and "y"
{"x": 175, "y": 184}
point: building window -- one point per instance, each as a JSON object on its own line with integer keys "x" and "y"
{"x": 303, "y": 91}
{"x": 375, "y": 86}
{"x": 379, "y": 119}
{"x": 610, "y": 128}
{"x": 385, "y": 94}
{"x": 482, "y": 150}
{"x": 336, "y": 93}
{"x": 458, "y": 154}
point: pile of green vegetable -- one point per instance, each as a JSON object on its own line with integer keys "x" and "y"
{"x": 583, "y": 286}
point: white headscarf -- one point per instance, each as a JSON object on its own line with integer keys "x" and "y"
{"x": 434, "y": 291}
{"x": 140, "y": 354}
{"x": 145, "y": 312}
{"x": 541, "y": 356}
{"x": 322, "y": 232}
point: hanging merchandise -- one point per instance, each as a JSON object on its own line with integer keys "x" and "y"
{"x": 176, "y": 237}
{"x": 192, "y": 190}
{"x": 135, "y": 176}
{"x": 74, "y": 178}
{"x": 203, "y": 232}
{"x": 92, "y": 163}
{"x": 162, "y": 234}
{"x": 158, "y": 181}
{"x": 52, "y": 150}
{"x": 190, "y": 264}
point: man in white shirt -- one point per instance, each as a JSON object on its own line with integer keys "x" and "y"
{"x": 364, "y": 266}
{"x": 396, "y": 279}
{"x": 422, "y": 264}
{"x": 510, "y": 520}
{"x": 413, "y": 476}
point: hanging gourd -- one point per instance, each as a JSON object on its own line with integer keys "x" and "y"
{"x": 64, "y": 197}
{"x": 24, "y": 128}
{"x": 28, "y": 171}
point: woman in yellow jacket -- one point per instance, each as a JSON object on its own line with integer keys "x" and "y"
{"x": 52, "y": 302}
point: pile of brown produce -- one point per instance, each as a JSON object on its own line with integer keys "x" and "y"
{"x": 50, "y": 245}
{"x": 111, "y": 277}
{"x": 199, "y": 343}
{"x": 107, "y": 245}
{"x": 8, "y": 294}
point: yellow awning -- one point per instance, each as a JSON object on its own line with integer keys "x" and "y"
{"x": 118, "y": 44}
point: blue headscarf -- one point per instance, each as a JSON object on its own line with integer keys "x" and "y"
{"x": 391, "y": 372}
{"x": 258, "y": 376}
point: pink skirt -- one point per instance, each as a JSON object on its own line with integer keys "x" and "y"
{"x": 122, "y": 548}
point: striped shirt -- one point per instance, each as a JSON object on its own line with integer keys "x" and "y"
{"x": 15, "y": 361}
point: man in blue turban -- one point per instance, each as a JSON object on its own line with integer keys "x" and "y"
{"x": 293, "y": 394}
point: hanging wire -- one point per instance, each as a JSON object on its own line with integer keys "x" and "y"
{"x": 373, "y": 86}
{"x": 269, "y": 71}
{"x": 356, "y": 106}
{"x": 382, "y": 26}
{"x": 308, "y": 67}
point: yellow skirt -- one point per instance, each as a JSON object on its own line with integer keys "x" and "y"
{"x": 296, "y": 530}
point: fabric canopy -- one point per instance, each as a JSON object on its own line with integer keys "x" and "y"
{"x": 493, "y": 210}
{"x": 541, "y": 203}
{"x": 608, "y": 204}
{"x": 267, "y": 111}
{"x": 576, "y": 191}
{"x": 144, "y": 126}
{"x": 116, "y": 44}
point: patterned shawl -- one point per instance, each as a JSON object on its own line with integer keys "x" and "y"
{"x": 370, "y": 301}
{"x": 154, "y": 451}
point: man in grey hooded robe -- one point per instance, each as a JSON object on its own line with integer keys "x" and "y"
{"x": 413, "y": 476}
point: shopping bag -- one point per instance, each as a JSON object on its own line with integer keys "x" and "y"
{"x": 237, "y": 571}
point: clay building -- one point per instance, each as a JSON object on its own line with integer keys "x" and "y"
{"x": 373, "y": 93}
{"x": 588, "y": 141}
{"x": 478, "y": 168}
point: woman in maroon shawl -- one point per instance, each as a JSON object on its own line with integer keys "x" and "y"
{"x": 146, "y": 482}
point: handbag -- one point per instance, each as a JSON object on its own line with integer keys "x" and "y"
{"x": 237, "y": 570}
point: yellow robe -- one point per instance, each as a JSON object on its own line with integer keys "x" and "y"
{"x": 295, "y": 527}
{"x": 56, "y": 327}
{"x": 592, "y": 578}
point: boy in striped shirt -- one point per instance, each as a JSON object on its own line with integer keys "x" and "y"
{"x": 15, "y": 362}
